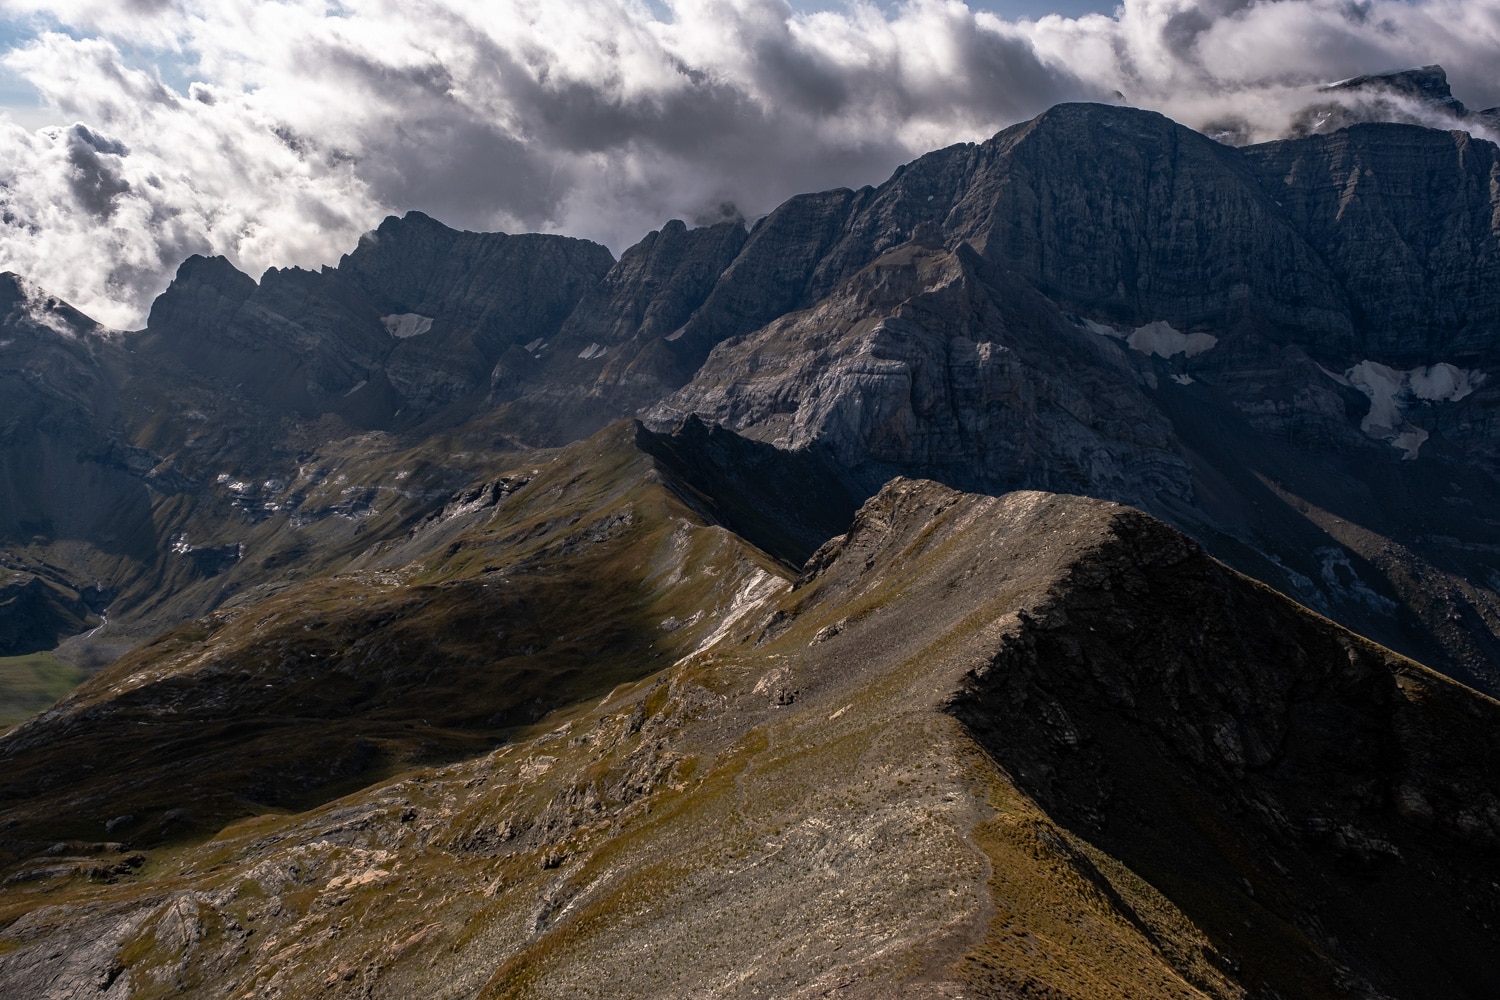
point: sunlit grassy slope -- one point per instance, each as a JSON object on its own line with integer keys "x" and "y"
{"x": 987, "y": 747}
{"x": 546, "y": 586}
{"x": 31, "y": 683}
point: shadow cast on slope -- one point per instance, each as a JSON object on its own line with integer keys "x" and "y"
{"x": 1322, "y": 808}
{"x": 555, "y": 592}
{"x": 786, "y": 503}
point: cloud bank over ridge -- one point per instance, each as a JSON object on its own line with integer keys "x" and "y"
{"x": 276, "y": 131}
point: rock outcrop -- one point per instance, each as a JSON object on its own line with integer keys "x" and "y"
{"x": 1405, "y": 218}
{"x": 944, "y": 363}
{"x": 618, "y": 351}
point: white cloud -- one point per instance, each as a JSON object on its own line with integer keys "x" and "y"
{"x": 310, "y": 120}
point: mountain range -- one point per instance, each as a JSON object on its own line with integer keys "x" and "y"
{"x": 1068, "y": 569}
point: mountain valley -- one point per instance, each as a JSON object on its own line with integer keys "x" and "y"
{"x": 1068, "y": 569}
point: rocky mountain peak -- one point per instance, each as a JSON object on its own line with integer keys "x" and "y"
{"x": 1419, "y": 96}
{"x": 415, "y": 264}
{"x": 204, "y": 295}
{"x": 1428, "y": 84}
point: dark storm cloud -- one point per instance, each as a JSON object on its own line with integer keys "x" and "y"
{"x": 792, "y": 75}
{"x": 457, "y": 169}
{"x": 1183, "y": 27}
{"x": 1002, "y": 77}
{"x": 96, "y": 179}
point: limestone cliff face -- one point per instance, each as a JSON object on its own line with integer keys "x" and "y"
{"x": 1335, "y": 243}
{"x": 775, "y": 273}
{"x": 942, "y": 362}
{"x": 657, "y": 285}
{"x": 204, "y": 296}
{"x": 1118, "y": 214}
{"x": 1115, "y": 213}
{"x": 473, "y": 296}
{"x": 1408, "y": 219}
{"x": 489, "y": 288}
{"x": 617, "y": 350}
{"x": 412, "y": 320}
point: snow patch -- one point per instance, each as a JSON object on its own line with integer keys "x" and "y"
{"x": 1183, "y": 379}
{"x": 534, "y": 345}
{"x": 593, "y": 351}
{"x": 1391, "y": 391}
{"x": 1336, "y": 377}
{"x": 403, "y": 325}
{"x": 103, "y": 621}
{"x": 1102, "y": 330}
{"x": 1409, "y": 443}
{"x": 1443, "y": 383}
{"x": 1159, "y": 338}
{"x": 1382, "y": 385}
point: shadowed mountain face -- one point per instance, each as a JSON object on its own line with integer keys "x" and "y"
{"x": 416, "y": 315}
{"x": 841, "y": 671}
